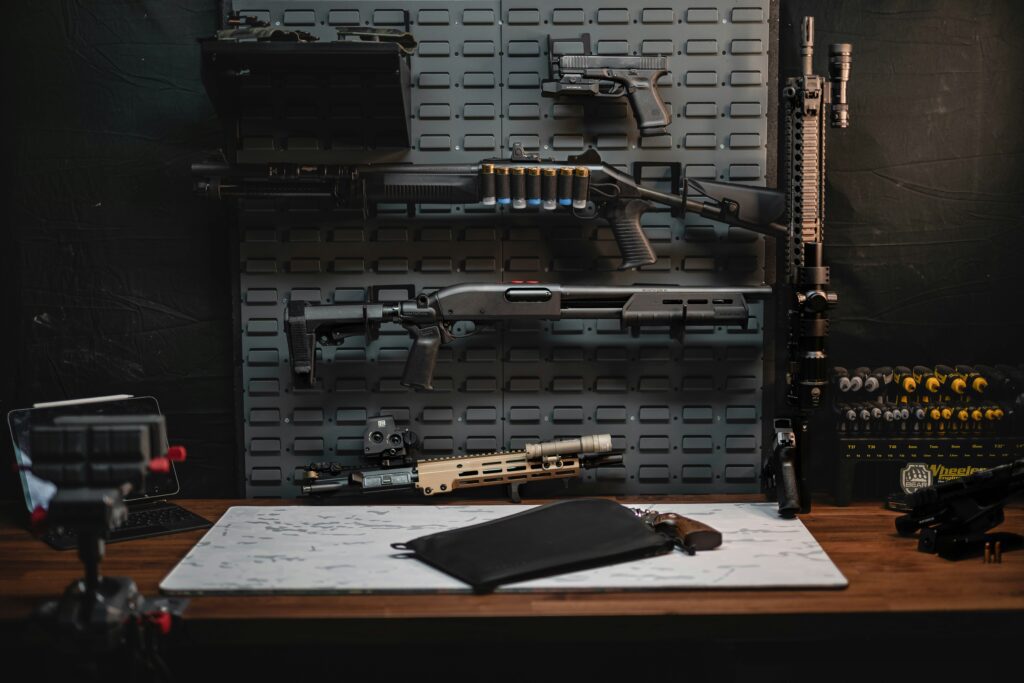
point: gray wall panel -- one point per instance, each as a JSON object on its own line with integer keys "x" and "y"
{"x": 688, "y": 415}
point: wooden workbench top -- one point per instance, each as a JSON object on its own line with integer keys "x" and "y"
{"x": 886, "y": 573}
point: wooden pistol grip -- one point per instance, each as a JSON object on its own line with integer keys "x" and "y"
{"x": 692, "y": 533}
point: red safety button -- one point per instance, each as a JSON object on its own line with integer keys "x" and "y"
{"x": 160, "y": 465}
{"x": 176, "y": 454}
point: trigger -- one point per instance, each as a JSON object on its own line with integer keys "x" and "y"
{"x": 446, "y": 333}
{"x": 616, "y": 90}
{"x": 679, "y": 542}
{"x": 669, "y": 529}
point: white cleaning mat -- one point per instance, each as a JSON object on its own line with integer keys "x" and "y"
{"x": 347, "y": 549}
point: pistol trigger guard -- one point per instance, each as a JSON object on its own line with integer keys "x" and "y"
{"x": 446, "y": 333}
{"x": 668, "y": 529}
{"x": 588, "y": 214}
{"x": 616, "y": 90}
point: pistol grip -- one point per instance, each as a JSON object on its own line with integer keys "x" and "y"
{"x": 624, "y": 218}
{"x": 419, "y": 365}
{"x": 652, "y": 117}
{"x": 786, "y": 482}
{"x": 691, "y": 534}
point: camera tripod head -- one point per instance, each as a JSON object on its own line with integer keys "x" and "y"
{"x": 95, "y": 461}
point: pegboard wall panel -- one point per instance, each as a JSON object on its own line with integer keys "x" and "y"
{"x": 687, "y": 415}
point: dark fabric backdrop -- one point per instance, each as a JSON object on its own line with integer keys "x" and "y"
{"x": 118, "y": 280}
{"x": 925, "y": 213}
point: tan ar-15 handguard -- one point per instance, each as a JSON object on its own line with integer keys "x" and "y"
{"x": 546, "y": 460}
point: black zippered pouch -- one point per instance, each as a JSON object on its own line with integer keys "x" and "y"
{"x": 556, "y": 538}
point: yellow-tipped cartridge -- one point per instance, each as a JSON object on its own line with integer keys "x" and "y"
{"x": 487, "y": 187}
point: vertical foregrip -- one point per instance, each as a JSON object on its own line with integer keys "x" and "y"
{"x": 624, "y": 219}
{"x": 419, "y": 365}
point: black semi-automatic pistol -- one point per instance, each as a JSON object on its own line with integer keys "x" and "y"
{"x": 593, "y": 75}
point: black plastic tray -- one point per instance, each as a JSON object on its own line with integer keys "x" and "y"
{"x": 308, "y": 102}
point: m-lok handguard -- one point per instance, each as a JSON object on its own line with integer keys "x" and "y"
{"x": 444, "y": 474}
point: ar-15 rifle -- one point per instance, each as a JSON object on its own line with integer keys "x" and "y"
{"x": 582, "y": 184}
{"x": 812, "y": 103}
{"x": 591, "y": 75}
{"x": 954, "y": 517}
{"x": 534, "y": 462}
{"x": 430, "y": 318}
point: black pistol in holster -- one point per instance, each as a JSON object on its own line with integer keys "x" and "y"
{"x": 592, "y": 75}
